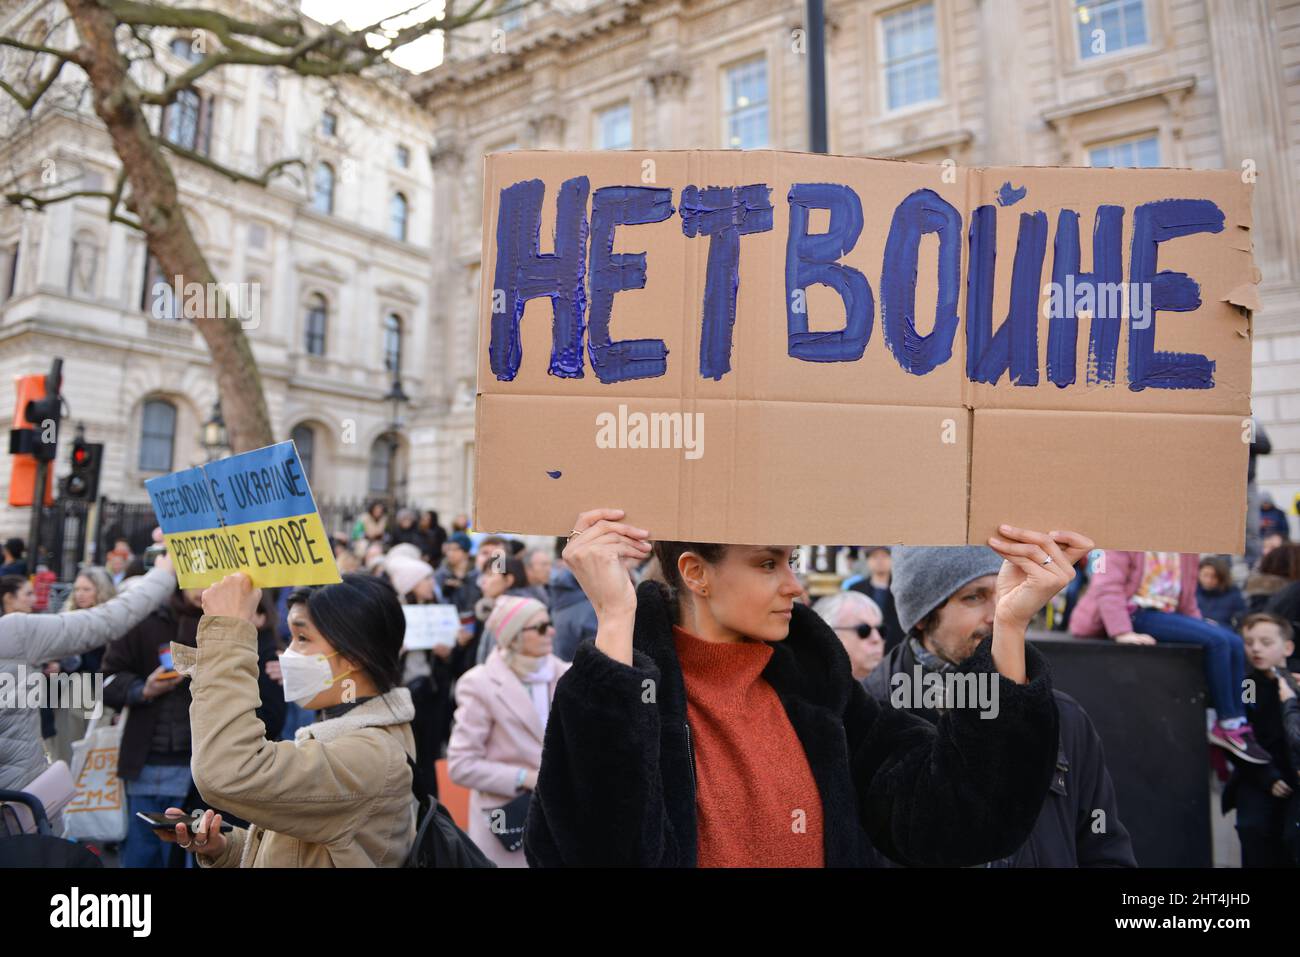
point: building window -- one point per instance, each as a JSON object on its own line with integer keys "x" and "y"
{"x": 317, "y": 318}
{"x": 158, "y": 298}
{"x": 1107, "y": 26}
{"x": 746, "y": 105}
{"x": 187, "y": 121}
{"x": 614, "y": 128}
{"x": 393, "y": 344}
{"x": 322, "y": 193}
{"x": 398, "y": 209}
{"x": 305, "y": 439}
{"x": 910, "y": 58}
{"x": 182, "y": 126}
{"x": 383, "y": 465}
{"x": 402, "y": 156}
{"x": 187, "y": 47}
{"x": 329, "y": 124}
{"x": 1141, "y": 152}
{"x": 512, "y": 19}
{"x": 157, "y": 435}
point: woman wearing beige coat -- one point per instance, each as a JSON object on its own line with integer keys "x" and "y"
{"x": 502, "y": 706}
{"x": 339, "y": 794}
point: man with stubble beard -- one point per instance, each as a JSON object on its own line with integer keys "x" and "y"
{"x": 945, "y": 598}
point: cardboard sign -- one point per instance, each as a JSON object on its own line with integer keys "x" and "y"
{"x": 251, "y": 513}
{"x": 430, "y": 625}
{"x": 778, "y": 348}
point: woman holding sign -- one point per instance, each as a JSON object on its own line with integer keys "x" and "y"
{"x": 715, "y": 722}
{"x": 339, "y": 795}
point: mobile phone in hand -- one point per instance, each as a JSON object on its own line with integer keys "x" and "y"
{"x": 168, "y": 822}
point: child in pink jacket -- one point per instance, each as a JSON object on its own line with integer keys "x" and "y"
{"x": 1141, "y": 598}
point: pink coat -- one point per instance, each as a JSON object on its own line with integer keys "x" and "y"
{"x": 496, "y": 733}
{"x": 1103, "y": 610}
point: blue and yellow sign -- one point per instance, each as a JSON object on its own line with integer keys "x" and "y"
{"x": 251, "y": 513}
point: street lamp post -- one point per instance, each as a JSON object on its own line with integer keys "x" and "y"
{"x": 397, "y": 398}
{"x": 213, "y": 436}
{"x": 815, "y": 37}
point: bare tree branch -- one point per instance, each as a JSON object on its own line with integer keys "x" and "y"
{"x": 238, "y": 176}
{"x": 28, "y": 102}
{"x": 285, "y": 31}
{"x": 38, "y": 48}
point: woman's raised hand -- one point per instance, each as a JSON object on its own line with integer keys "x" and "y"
{"x": 1028, "y": 579}
{"x": 234, "y": 597}
{"x": 596, "y": 553}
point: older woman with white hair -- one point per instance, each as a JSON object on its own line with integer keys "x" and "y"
{"x": 502, "y": 710}
{"x": 856, "y": 621}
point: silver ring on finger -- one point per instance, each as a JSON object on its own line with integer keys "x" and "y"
{"x": 185, "y": 846}
{"x": 574, "y": 534}
{"x": 1047, "y": 560}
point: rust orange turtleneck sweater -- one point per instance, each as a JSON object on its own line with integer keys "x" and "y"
{"x": 756, "y": 801}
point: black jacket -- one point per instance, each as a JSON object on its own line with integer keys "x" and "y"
{"x": 132, "y": 658}
{"x": 616, "y": 785}
{"x": 1069, "y": 832}
{"x": 1268, "y": 720}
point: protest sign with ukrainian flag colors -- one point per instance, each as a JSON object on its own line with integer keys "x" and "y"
{"x": 251, "y": 513}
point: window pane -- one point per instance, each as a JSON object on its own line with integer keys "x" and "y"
{"x": 157, "y": 435}
{"x": 381, "y": 463}
{"x": 322, "y": 199}
{"x": 614, "y": 128}
{"x": 393, "y": 344}
{"x": 317, "y": 315}
{"x": 911, "y": 56}
{"x": 746, "y": 105}
{"x": 183, "y": 120}
{"x": 397, "y": 210}
{"x": 305, "y": 439}
{"x": 1138, "y": 153}
{"x": 1105, "y": 26}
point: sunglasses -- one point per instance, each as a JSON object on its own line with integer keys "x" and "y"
{"x": 540, "y": 629}
{"x": 863, "y": 631}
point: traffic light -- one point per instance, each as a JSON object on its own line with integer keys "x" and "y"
{"x": 22, "y": 446}
{"x": 43, "y": 415}
{"x": 83, "y": 481}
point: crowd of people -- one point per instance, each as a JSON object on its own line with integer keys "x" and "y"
{"x": 687, "y": 680}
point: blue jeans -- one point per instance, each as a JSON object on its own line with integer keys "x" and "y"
{"x": 1225, "y": 655}
{"x": 158, "y": 787}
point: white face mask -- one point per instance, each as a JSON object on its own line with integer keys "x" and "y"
{"x": 306, "y": 676}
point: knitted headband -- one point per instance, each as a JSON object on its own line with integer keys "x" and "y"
{"x": 508, "y": 617}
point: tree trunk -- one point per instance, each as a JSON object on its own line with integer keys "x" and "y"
{"x": 154, "y": 200}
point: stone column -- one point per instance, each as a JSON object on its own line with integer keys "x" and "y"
{"x": 669, "y": 80}
{"x": 1007, "y": 103}
{"x": 1249, "y": 82}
